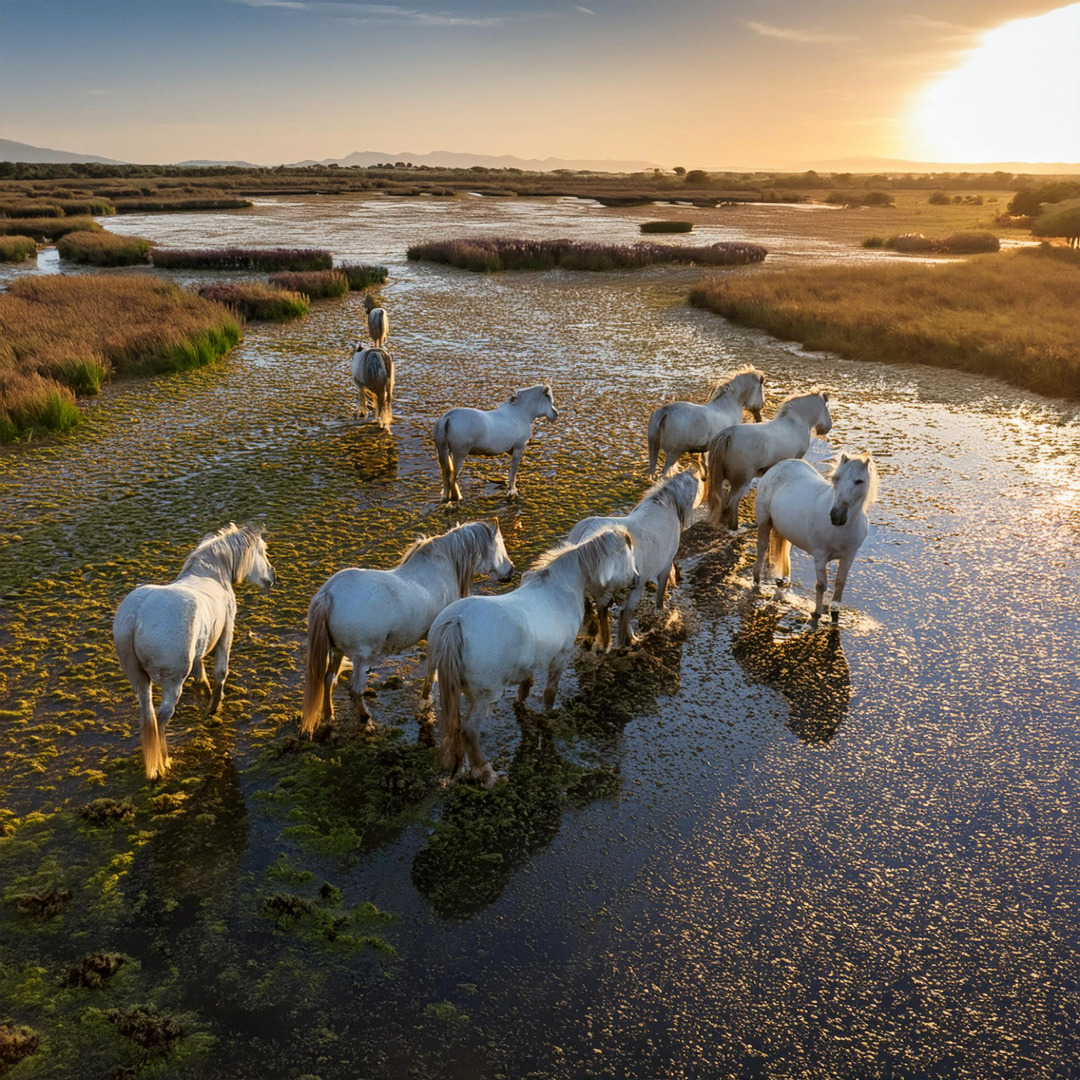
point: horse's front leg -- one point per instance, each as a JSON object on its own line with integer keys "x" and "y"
{"x": 554, "y": 674}
{"x": 515, "y": 461}
{"x": 736, "y": 496}
{"x": 603, "y": 616}
{"x": 764, "y": 531}
{"x": 626, "y": 615}
{"x": 221, "y": 666}
{"x": 426, "y": 688}
{"x": 821, "y": 567}
{"x": 524, "y": 687}
{"x": 357, "y": 686}
{"x": 842, "y": 569}
{"x": 665, "y": 578}
{"x": 202, "y": 683}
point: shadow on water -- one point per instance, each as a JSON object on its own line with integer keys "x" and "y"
{"x": 372, "y": 453}
{"x": 808, "y": 668}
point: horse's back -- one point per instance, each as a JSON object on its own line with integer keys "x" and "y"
{"x": 377, "y": 609}
{"x": 165, "y": 626}
{"x": 589, "y": 527}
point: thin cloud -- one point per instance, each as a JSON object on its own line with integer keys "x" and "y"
{"x": 806, "y": 37}
{"x": 584, "y": 10}
{"x": 368, "y": 12}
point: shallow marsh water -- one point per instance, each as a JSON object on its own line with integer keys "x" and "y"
{"x": 746, "y": 849}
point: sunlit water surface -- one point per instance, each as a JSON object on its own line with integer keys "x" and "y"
{"x": 842, "y": 852}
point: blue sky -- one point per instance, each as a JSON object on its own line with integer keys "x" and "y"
{"x": 743, "y": 82}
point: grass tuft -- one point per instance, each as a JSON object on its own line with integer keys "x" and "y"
{"x": 666, "y": 226}
{"x": 314, "y": 284}
{"x": 255, "y": 300}
{"x": 363, "y": 275}
{"x": 104, "y": 248}
{"x": 44, "y": 229}
{"x": 17, "y": 248}
{"x": 266, "y": 260}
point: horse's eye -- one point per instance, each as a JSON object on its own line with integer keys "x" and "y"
{"x": 860, "y": 481}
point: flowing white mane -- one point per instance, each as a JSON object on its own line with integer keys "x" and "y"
{"x": 231, "y": 548}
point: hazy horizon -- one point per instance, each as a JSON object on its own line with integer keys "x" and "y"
{"x": 735, "y": 84}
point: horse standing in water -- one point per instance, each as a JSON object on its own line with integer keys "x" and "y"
{"x": 480, "y": 645}
{"x": 162, "y": 632}
{"x": 825, "y": 516}
{"x": 373, "y": 373}
{"x": 378, "y": 322}
{"x": 683, "y": 427}
{"x": 365, "y": 614}
{"x": 490, "y": 432}
{"x": 656, "y": 525}
{"x": 740, "y": 453}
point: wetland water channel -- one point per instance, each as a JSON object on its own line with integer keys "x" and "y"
{"x": 746, "y": 849}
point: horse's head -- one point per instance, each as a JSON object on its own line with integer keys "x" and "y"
{"x": 538, "y": 400}
{"x": 259, "y": 571}
{"x": 688, "y": 489}
{"x": 496, "y": 561}
{"x": 854, "y": 481}
{"x": 755, "y": 400}
{"x": 823, "y": 423}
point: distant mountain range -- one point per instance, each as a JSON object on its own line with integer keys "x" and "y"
{"x": 445, "y": 159}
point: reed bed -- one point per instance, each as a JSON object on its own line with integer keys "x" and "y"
{"x": 146, "y": 206}
{"x": 363, "y": 275}
{"x": 490, "y": 254}
{"x": 963, "y": 243}
{"x": 314, "y": 284}
{"x": 104, "y": 249}
{"x": 666, "y": 226}
{"x": 45, "y": 229}
{"x": 265, "y": 260}
{"x": 69, "y": 207}
{"x": 1010, "y": 316}
{"x": 255, "y": 300}
{"x": 64, "y": 335}
{"x": 17, "y": 249}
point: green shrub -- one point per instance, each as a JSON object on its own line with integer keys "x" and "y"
{"x": 104, "y": 248}
{"x": 314, "y": 284}
{"x": 874, "y": 242}
{"x": 16, "y": 248}
{"x": 666, "y": 226}
{"x": 938, "y": 198}
{"x": 363, "y": 275}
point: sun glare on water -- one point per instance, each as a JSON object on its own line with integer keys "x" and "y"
{"x": 1015, "y": 98}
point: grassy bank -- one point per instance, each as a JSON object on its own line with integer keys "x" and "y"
{"x": 104, "y": 248}
{"x": 1011, "y": 315}
{"x": 17, "y": 248}
{"x": 255, "y": 300}
{"x": 237, "y": 258}
{"x": 44, "y": 229}
{"x": 314, "y": 284}
{"x": 61, "y": 336}
{"x": 363, "y": 275}
{"x": 490, "y": 254}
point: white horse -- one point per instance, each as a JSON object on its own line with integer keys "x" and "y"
{"x": 740, "y": 453}
{"x": 378, "y": 323}
{"x": 480, "y": 645}
{"x": 656, "y": 525}
{"x": 373, "y": 373}
{"x": 365, "y": 614}
{"x": 825, "y": 516}
{"x": 683, "y": 427}
{"x": 490, "y": 432}
{"x": 162, "y": 632}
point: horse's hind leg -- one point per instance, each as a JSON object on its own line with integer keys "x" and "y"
{"x": 838, "y": 588}
{"x": 555, "y": 670}
{"x": 764, "y": 532}
{"x": 735, "y": 497}
{"x": 515, "y": 461}
{"x": 357, "y": 686}
{"x": 479, "y": 769}
{"x": 524, "y": 688}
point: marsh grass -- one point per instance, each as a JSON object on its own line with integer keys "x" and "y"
{"x": 43, "y": 229}
{"x": 255, "y": 300}
{"x": 104, "y": 248}
{"x": 266, "y": 260}
{"x": 666, "y": 226}
{"x": 314, "y": 284}
{"x": 1006, "y": 315}
{"x": 962, "y": 243}
{"x": 363, "y": 275}
{"x": 491, "y": 254}
{"x": 17, "y": 248}
{"x": 163, "y": 205}
{"x": 62, "y": 335}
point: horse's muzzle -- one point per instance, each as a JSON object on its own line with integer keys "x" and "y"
{"x": 756, "y": 414}
{"x": 508, "y": 575}
{"x": 838, "y": 515}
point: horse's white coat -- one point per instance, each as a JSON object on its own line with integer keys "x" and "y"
{"x": 480, "y": 645}
{"x": 373, "y": 372}
{"x": 683, "y": 427}
{"x": 740, "y": 453}
{"x": 824, "y": 516}
{"x": 656, "y": 525}
{"x": 162, "y": 632}
{"x": 365, "y": 614}
{"x": 490, "y": 432}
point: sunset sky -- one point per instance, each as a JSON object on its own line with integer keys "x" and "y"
{"x": 699, "y": 83}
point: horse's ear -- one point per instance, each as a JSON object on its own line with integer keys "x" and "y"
{"x": 495, "y": 525}
{"x": 844, "y": 459}
{"x": 761, "y": 379}
{"x": 825, "y": 395}
{"x": 629, "y": 540}
{"x": 513, "y": 398}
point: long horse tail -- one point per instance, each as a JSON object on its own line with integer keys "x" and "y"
{"x": 656, "y": 429}
{"x": 378, "y": 326}
{"x": 386, "y": 412}
{"x": 318, "y": 705}
{"x": 779, "y": 555}
{"x": 445, "y": 656}
{"x": 155, "y": 753}
{"x": 717, "y": 473}
{"x": 442, "y": 451}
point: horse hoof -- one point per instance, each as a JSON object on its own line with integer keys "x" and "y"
{"x": 835, "y": 616}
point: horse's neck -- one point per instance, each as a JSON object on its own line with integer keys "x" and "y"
{"x": 218, "y": 575}
{"x": 564, "y": 575}
{"x": 434, "y": 572}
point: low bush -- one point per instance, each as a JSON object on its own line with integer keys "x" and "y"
{"x": 314, "y": 284}
{"x": 486, "y": 254}
{"x": 968, "y": 243}
{"x": 363, "y": 275}
{"x": 666, "y": 226}
{"x": 17, "y": 248}
{"x": 874, "y": 242}
{"x": 61, "y": 335}
{"x": 44, "y": 229}
{"x": 256, "y": 300}
{"x": 104, "y": 248}
{"x": 266, "y": 260}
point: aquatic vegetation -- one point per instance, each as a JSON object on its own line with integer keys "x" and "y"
{"x": 966, "y": 243}
{"x": 257, "y": 301}
{"x": 1005, "y": 315}
{"x": 45, "y": 229}
{"x": 491, "y": 254}
{"x": 17, "y": 248}
{"x": 314, "y": 284}
{"x": 94, "y": 970}
{"x": 144, "y": 1026}
{"x": 104, "y": 248}
{"x": 16, "y": 1042}
{"x": 236, "y": 258}
{"x": 143, "y": 206}
{"x": 100, "y": 812}
{"x": 363, "y": 275}
{"x": 666, "y": 226}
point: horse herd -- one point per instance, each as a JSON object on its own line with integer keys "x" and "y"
{"x": 480, "y": 645}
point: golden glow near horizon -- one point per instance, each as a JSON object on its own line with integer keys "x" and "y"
{"x": 1015, "y": 98}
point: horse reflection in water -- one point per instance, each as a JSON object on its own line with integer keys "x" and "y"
{"x": 372, "y": 453}
{"x": 809, "y": 669}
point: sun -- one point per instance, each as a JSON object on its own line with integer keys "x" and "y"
{"x": 1015, "y": 98}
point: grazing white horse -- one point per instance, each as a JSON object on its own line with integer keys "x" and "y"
{"x": 740, "y": 453}
{"x": 490, "y": 432}
{"x": 480, "y": 645}
{"x": 162, "y": 632}
{"x": 365, "y": 614}
{"x": 683, "y": 427}
{"x": 825, "y": 516}
{"x": 378, "y": 322}
{"x": 373, "y": 373}
{"x": 656, "y": 525}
